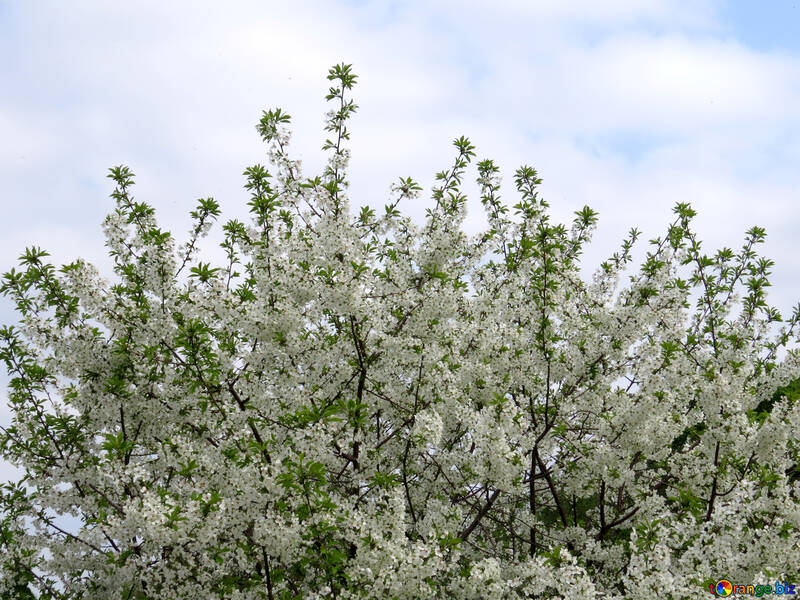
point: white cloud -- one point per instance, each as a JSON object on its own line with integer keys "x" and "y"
{"x": 615, "y": 13}
{"x": 671, "y": 82}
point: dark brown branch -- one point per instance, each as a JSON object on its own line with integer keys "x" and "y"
{"x": 481, "y": 513}
{"x": 532, "y": 502}
{"x": 713, "y": 496}
{"x": 256, "y": 434}
{"x": 551, "y": 485}
{"x": 603, "y": 527}
{"x": 618, "y": 521}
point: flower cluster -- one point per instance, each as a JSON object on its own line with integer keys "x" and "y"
{"x": 353, "y": 405}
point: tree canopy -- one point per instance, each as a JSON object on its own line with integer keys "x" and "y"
{"x": 353, "y": 404}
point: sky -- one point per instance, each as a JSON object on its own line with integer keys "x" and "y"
{"x": 628, "y": 106}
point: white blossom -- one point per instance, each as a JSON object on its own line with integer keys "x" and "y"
{"x": 360, "y": 406}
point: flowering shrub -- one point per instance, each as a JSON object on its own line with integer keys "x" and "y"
{"x": 361, "y": 406}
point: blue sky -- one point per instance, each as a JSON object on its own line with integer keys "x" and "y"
{"x": 771, "y": 26}
{"x": 627, "y": 106}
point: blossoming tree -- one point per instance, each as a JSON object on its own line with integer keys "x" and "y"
{"x": 362, "y": 406}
